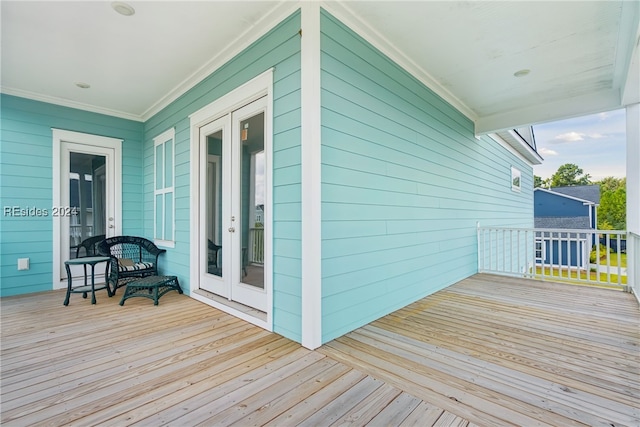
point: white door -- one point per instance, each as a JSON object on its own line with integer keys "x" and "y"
{"x": 233, "y": 165}
{"x": 86, "y": 198}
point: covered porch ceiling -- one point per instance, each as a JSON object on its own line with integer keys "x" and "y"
{"x": 574, "y": 57}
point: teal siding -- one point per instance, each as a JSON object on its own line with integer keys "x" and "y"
{"x": 404, "y": 182}
{"x": 26, "y": 171}
{"x": 279, "y": 48}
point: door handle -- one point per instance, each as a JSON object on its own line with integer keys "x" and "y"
{"x": 232, "y": 230}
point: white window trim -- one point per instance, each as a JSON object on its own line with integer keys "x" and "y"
{"x": 516, "y": 173}
{"x": 168, "y": 135}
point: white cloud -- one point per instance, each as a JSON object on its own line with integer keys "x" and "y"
{"x": 547, "y": 152}
{"x": 570, "y": 136}
{"x": 578, "y": 136}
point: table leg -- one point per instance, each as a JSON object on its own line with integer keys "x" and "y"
{"x": 84, "y": 295}
{"x": 93, "y": 283}
{"x": 66, "y": 300}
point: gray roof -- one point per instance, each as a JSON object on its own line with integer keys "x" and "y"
{"x": 574, "y": 222}
{"x": 590, "y": 193}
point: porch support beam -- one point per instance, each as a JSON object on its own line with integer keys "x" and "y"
{"x": 633, "y": 198}
{"x": 311, "y": 177}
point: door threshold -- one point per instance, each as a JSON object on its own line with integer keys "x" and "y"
{"x": 234, "y": 306}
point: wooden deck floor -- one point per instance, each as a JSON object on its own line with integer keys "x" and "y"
{"x": 486, "y": 351}
{"x": 496, "y": 351}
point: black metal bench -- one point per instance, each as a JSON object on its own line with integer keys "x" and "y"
{"x": 152, "y": 287}
{"x": 132, "y": 258}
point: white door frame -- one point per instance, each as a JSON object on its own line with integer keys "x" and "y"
{"x": 256, "y": 88}
{"x": 63, "y": 140}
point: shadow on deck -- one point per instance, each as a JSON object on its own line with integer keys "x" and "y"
{"x": 486, "y": 351}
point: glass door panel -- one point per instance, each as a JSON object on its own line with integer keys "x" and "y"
{"x": 214, "y": 149}
{"x": 84, "y": 210}
{"x": 214, "y": 204}
{"x": 248, "y": 140}
{"x": 252, "y": 200}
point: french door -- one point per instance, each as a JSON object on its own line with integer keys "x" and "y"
{"x": 232, "y": 205}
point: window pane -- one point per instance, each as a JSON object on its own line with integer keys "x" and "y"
{"x": 252, "y": 166}
{"x": 159, "y": 168}
{"x": 168, "y": 163}
{"x": 214, "y": 204}
{"x": 159, "y": 208}
{"x": 168, "y": 216}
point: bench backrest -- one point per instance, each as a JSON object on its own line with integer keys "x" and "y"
{"x": 137, "y": 249}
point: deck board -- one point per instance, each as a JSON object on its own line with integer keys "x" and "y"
{"x": 486, "y": 351}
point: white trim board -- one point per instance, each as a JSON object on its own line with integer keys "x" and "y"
{"x": 311, "y": 178}
{"x": 504, "y": 144}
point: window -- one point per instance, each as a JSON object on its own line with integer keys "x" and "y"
{"x": 163, "y": 230}
{"x": 515, "y": 179}
{"x": 539, "y": 249}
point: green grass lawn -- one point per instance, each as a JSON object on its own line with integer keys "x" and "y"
{"x": 613, "y": 259}
{"x": 571, "y": 275}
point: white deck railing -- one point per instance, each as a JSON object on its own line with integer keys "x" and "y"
{"x": 555, "y": 254}
{"x": 256, "y": 245}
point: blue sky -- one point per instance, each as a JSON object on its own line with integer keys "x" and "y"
{"x": 596, "y": 143}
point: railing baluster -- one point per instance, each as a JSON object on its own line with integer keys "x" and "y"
{"x": 608, "y": 241}
{"x": 619, "y": 256}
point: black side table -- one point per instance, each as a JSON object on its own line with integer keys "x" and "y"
{"x": 92, "y": 261}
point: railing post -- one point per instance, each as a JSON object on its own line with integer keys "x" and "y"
{"x": 480, "y": 266}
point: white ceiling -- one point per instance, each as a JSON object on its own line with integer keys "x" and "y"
{"x": 580, "y": 54}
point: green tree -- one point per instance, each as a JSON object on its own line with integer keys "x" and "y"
{"x": 612, "y": 213}
{"x": 569, "y": 175}
{"x": 611, "y": 183}
{"x": 539, "y": 182}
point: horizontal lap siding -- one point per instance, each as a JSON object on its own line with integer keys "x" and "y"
{"x": 280, "y": 48}
{"x": 26, "y": 160}
{"x": 404, "y": 182}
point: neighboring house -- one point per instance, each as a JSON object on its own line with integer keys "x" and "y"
{"x": 259, "y": 214}
{"x": 570, "y": 208}
{"x": 372, "y": 185}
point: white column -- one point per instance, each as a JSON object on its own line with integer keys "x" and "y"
{"x": 311, "y": 176}
{"x": 633, "y": 197}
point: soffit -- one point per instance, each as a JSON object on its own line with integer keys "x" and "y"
{"x": 578, "y": 53}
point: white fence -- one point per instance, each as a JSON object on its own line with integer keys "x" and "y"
{"x": 633, "y": 271}
{"x": 574, "y": 256}
{"x": 256, "y": 245}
